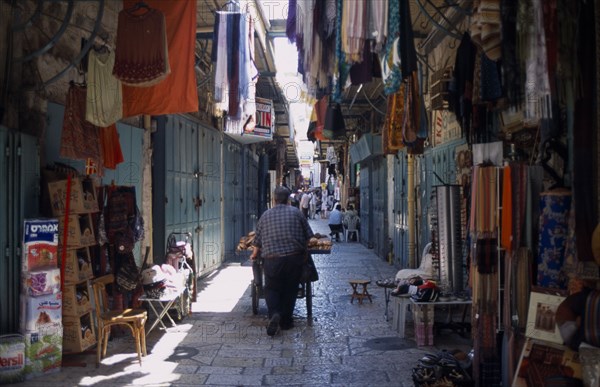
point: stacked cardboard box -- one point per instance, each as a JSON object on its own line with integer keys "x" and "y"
{"x": 41, "y": 298}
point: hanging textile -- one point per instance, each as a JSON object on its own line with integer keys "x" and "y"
{"x": 178, "y": 93}
{"x": 391, "y": 136}
{"x": 507, "y": 211}
{"x": 554, "y": 211}
{"x": 354, "y": 29}
{"x": 378, "y": 23}
{"x": 80, "y": 139}
{"x": 390, "y": 56}
{"x": 111, "y": 146}
{"x": 141, "y": 57}
{"x": 408, "y": 53}
{"x": 104, "y": 99}
{"x": 511, "y": 69}
{"x": 290, "y": 25}
{"x": 236, "y": 73}
{"x": 484, "y": 202}
{"x": 461, "y": 87}
{"x": 538, "y": 106}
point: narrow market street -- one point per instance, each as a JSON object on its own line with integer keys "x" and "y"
{"x": 224, "y": 343}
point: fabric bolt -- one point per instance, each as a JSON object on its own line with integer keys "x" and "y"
{"x": 141, "y": 65}
{"x": 486, "y": 27}
{"x": 342, "y": 67}
{"x": 178, "y": 93}
{"x": 391, "y": 73}
{"x": 507, "y": 210}
{"x": 104, "y": 98}
{"x": 80, "y": 139}
{"x": 535, "y": 176}
{"x": 285, "y": 240}
{"x": 554, "y": 209}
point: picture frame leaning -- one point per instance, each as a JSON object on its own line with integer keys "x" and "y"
{"x": 541, "y": 317}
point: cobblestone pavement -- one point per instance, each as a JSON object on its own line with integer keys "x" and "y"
{"x": 224, "y": 344}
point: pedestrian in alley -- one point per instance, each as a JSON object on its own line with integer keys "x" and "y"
{"x": 305, "y": 204}
{"x": 335, "y": 222}
{"x": 281, "y": 239}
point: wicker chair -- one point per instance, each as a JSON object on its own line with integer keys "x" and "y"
{"x": 134, "y": 319}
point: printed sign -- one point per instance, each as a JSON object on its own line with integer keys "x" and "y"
{"x": 265, "y": 119}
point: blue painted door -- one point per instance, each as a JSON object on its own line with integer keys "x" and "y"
{"x": 400, "y": 229}
{"x": 233, "y": 195}
{"x": 366, "y": 205}
{"x": 209, "y": 179}
{"x": 19, "y": 198}
{"x": 379, "y": 226}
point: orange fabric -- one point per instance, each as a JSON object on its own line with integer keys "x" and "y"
{"x": 177, "y": 93}
{"x": 506, "y": 238}
{"x": 111, "y": 145}
{"x": 320, "y": 110}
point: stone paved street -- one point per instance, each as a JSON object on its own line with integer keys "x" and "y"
{"x": 224, "y": 344}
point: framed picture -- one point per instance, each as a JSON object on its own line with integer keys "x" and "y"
{"x": 541, "y": 317}
{"x": 541, "y": 360}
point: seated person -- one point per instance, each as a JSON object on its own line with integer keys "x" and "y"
{"x": 335, "y": 222}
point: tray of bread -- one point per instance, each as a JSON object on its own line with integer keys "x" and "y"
{"x": 319, "y": 244}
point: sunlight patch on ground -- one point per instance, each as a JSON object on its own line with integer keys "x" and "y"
{"x": 224, "y": 290}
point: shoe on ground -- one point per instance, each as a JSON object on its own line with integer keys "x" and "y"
{"x": 273, "y": 325}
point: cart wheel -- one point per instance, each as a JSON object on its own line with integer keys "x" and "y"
{"x": 254, "y": 294}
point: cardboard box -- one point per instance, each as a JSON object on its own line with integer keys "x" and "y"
{"x": 78, "y": 333}
{"x": 43, "y": 351}
{"x": 76, "y": 299}
{"x": 78, "y": 265}
{"x": 80, "y": 231}
{"x": 40, "y": 282}
{"x": 40, "y": 244}
{"x": 83, "y": 197}
{"x": 12, "y": 359}
{"x": 37, "y": 312}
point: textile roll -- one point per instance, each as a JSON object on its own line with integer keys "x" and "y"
{"x": 554, "y": 214}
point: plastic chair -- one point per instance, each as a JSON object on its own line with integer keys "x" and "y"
{"x": 134, "y": 319}
{"x": 351, "y": 227}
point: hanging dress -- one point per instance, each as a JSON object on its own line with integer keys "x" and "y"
{"x": 104, "y": 102}
{"x": 141, "y": 57}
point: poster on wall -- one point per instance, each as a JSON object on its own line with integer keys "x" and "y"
{"x": 445, "y": 127}
{"x": 265, "y": 119}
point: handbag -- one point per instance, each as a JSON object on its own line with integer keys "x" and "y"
{"x": 128, "y": 274}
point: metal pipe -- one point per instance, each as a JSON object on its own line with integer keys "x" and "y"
{"x": 411, "y": 210}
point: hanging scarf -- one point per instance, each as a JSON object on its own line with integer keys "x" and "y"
{"x": 538, "y": 105}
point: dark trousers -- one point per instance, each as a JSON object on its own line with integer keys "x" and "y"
{"x": 282, "y": 279}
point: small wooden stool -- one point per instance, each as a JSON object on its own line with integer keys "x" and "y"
{"x": 356, "y": 294}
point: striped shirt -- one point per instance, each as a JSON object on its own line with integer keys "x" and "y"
{"x": 282, "y": 230}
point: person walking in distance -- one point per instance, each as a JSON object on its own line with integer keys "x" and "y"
{"x": 281, "y": 239}
{"x": 305, "y": 204}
